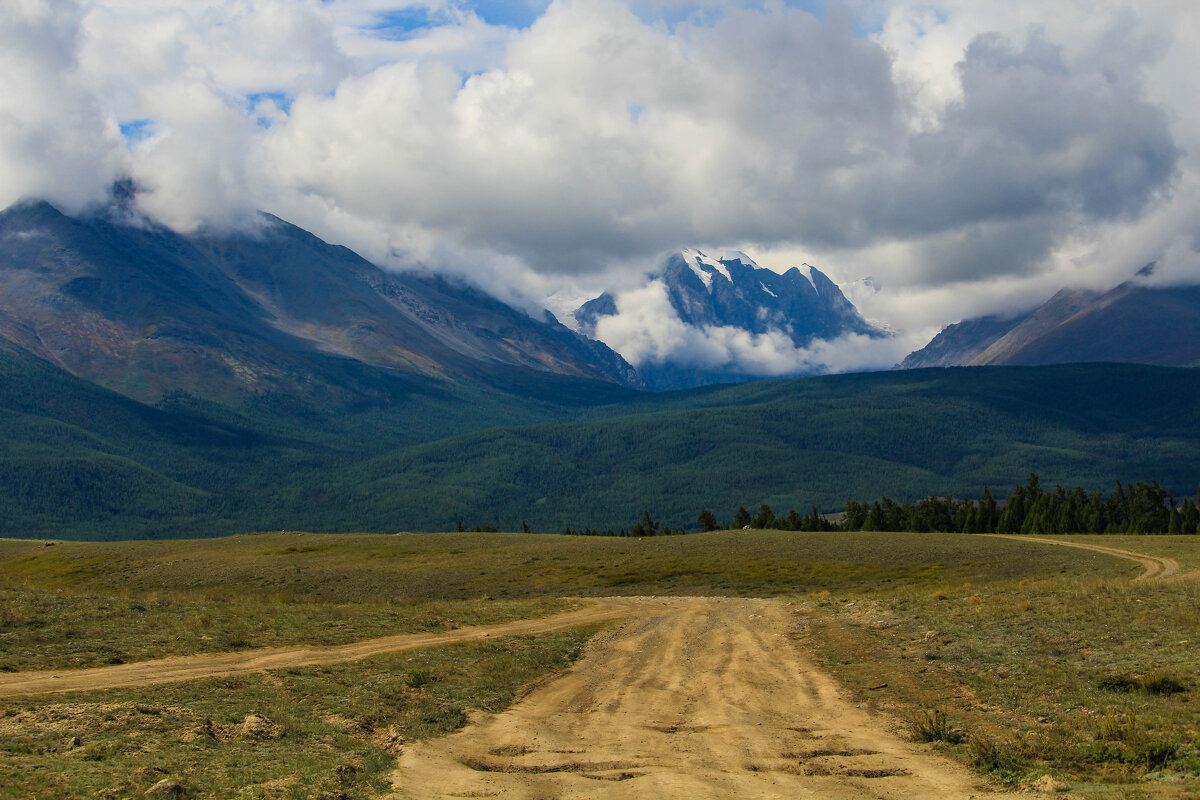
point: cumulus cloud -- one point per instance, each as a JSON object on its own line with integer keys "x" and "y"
{"x": 972, "y": 156}
{"x": 56, "y": 142}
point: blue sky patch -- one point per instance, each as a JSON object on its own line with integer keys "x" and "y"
{"x": 136, "y": 131}
{"x": 520, "y": 14}
{"x": 403, "y": 23}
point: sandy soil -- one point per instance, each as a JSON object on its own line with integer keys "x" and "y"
{"x": 693, "y": 698}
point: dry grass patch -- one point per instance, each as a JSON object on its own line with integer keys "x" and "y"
{"x": 1089, "y": 679}
{"x": 76, "y": 628}
{"x": 297, "y": 733}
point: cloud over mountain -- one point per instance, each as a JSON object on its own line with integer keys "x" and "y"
{"x": 966, "y": 158}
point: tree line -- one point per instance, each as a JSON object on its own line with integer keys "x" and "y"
{"x": 646, "y": 526}
{"x": 1143, "y": 507}
{"x": 1139, "y": 508}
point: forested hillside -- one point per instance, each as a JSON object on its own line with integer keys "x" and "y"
{"x": 82, "y": 462}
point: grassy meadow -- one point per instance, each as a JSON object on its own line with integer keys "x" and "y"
{"x": 1022, "y": 659}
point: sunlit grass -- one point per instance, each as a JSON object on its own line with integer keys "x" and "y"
{"x": 1023, "y": 659}
{"x": 314, "y": 732}
{"x": 1089, "y": 679}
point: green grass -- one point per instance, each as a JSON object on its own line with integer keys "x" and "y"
{"x": 1019, "y": 658}
{"x": 1084, "y": 677}
{"x": 64, "y": 629}
{"x": 465, "y": 566}
{"x": 321, "y": 732}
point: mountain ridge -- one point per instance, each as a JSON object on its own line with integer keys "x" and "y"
{"x": 1130, "y": 323}
{"x": 146, "y": 311}
{"x": 731, "y": 291}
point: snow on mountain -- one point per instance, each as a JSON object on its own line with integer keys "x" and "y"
{"x": 703, "y": 319}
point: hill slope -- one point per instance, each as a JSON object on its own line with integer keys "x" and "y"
{"x": 83, "y": 462}
{"x": 799, "y": 442}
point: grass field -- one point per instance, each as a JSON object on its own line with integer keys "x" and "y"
{"x": 1087, "y": 679}
{"x": 319, "y": 732}
{"x": 1022, "y": 659}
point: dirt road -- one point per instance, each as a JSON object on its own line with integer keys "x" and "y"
{"x": 689, "y": 698}
{"x": 693, "y": 698}
{"x": 210, "y": 665}
{"x": 1157, "y": 568}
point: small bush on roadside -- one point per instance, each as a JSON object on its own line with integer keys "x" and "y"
{"x": 989, "y": 755}
{"x": 932, "y": 725}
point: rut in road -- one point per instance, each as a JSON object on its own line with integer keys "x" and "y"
{"x": 693, "y": 698}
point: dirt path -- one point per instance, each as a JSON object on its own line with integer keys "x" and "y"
{"x": 209, "y": 665}
{"x": 694, "y": 698}
{"x": 690, "y": 698}
{"x": 1157, "y": 568}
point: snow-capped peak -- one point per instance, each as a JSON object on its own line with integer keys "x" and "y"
{"x": 738, "y": 255}
{"x": 699, "y": 261}
{"x": 807, "y": 271}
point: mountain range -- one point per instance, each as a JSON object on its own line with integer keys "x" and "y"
{"x": 154, "y": 384}
{"x": 732, "y": 291}
{"x": 1132, "y": 323}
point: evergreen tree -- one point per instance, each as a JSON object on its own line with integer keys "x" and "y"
{"x": 1190, "y": 518}
{"x": 989, "y": 512}
{"x": 741, "y": 518}
{"x": 876, "y": 520}
{"x": 707, "y": 521}
{"x": 971, "y": 524}
{"x": 814, "y": 522}
{"x": 855, "y": 517}
{"x": 764, "y": 519}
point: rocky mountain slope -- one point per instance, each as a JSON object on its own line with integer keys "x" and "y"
{"x": 269, "y": 312}
{"x": 1132, "y": 323}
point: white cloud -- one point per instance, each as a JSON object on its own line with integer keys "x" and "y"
{"x": 646, "y": 330}
{"x": 56, "y": 142}
{"x": 970, "y": 155}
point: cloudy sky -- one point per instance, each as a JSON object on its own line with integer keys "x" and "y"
{"x": 970, "y": 155}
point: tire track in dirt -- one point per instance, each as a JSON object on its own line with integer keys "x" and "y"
{"x": 696, "y": 698}
{"x": 212, "y": 665}
{"x": 1157, "y": 568}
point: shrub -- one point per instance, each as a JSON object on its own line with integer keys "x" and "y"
{"x": 1119, "y": 683}
{"x": 991, "y": 756}
{"x": 1163, "y": 684}
{"x": 419, "y": 677}
{"x": 1154, "y": 753}
{"x": 932, "y": 725}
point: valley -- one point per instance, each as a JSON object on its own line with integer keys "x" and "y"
{"x": 82, "y": 462}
